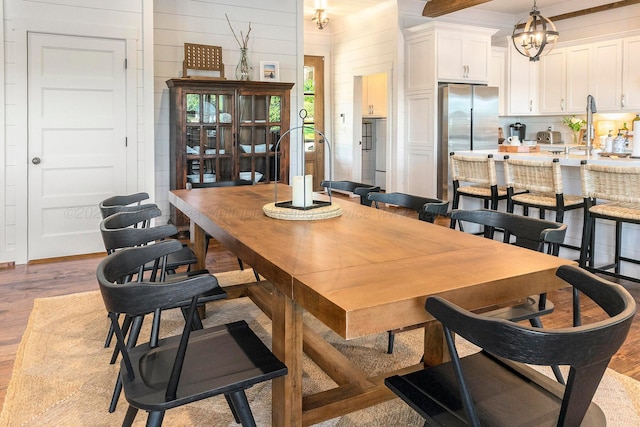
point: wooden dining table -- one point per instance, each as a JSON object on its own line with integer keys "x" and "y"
{"x": 364, "y": 272}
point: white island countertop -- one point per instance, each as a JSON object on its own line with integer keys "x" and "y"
{"x": 565, "y": 159}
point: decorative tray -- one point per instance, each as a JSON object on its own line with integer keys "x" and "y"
{"x": 519, "y": 148}
{"x": 614, "y": 155}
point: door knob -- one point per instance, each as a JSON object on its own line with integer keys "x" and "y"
{"x": 36, "y": 160}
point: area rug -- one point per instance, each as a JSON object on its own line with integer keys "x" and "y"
{"x": 62, "y": 375}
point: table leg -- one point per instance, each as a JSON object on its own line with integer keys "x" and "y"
{"x": 435, "y": 345}
{"x": 287, "y": 328}
{"x": 198, "y": 245}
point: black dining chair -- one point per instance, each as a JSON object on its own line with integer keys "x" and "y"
{"x": 428, "y": 209}
{"x": 495, "y": 387}
{"x": 526, "y": 232}
{"x": 125, "y": 203}
{"x": 357, "y": 188}
{"x": 118, "y": 234}
{"x": 198, "y": 364}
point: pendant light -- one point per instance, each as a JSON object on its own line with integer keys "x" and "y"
{"x": 320, "y": 18}
{"x": 536, "y": 37}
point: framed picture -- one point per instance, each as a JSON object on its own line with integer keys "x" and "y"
{"x": 269, "y": 71}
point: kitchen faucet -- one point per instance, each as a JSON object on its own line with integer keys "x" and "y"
{"x": 591, "y": 134}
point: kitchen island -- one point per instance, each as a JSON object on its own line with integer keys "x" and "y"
{"x": 605, "y": 232}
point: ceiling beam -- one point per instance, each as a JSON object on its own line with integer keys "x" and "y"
{"x": 435, "y": 8}
{"x": 594, "y": 9}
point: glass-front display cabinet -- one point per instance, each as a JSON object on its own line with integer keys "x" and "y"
{"x": 225, "y": 130}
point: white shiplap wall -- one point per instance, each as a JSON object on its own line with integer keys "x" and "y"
{"x": 274, "y": 37}
{"x": 363, "y": 43}
{"x": 120, "y": 19}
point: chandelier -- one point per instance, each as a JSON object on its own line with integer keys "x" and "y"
{"x": 536, "y": 37}
{"x": 320, "y": 18}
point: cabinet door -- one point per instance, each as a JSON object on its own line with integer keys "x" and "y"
{"x": 523, "y": 86}
{"x": 579, "y": 78}
{"x": 475, "y": 56}
{"x": 421, "y": 111}
{"x": 463, "y": 58}
{"x": 260, "y": 124}
{"x": 497, "y": 76}
{"x": 377, "y": 94}
{"x": 450, "y": 66}
{"x": 606, "y": 75}
{"x": 553, "y": 82}
{"x": 366, "y": 106}
{"x": 208, "y": 137}
{"x": 631, "y": 74}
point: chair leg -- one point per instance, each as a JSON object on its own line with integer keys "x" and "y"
{"x": 618, "y": 247}
{"x": 130, "y": 416}
{"x": 239, "y": 400}
{"x": 392, "y": 336}
{"x": 132, "y": 339}
{"x": 126, "y": 324}
{"x": 535, "y": 322}
{"x": 154, "y": 419}
{"x": 107, "y": 341}
{"x": 233, "y": 408}
{"x": 586, "y": 251}
{"x": 577, "y": 318}
{"x": 454, "y": 206}
{"x": 117, "y": 389}
{"x": 155, "y": 328}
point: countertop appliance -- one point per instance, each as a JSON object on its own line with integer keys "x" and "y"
{"x": 549, "y": 137}
{"x": 468, "y": 120}
{"x": 518, "y": 129}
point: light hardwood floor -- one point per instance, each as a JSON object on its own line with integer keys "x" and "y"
{"x": 20, "y": 285}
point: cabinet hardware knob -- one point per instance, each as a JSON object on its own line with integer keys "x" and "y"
{"x": 36, "y": 160}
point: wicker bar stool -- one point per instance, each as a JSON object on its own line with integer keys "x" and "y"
{"x": 480, "y": 173}
{"x": 620, "y": 187}
{"x": 541, "y": 182}
{"x": 475, "y": 176}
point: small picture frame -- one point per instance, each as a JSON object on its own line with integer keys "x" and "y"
{"x": 269, "y": 71}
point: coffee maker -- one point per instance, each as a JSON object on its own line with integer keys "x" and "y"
{"x": 518, "y": 129}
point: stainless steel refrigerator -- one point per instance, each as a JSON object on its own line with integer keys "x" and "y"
{"x": 468, "y": 120}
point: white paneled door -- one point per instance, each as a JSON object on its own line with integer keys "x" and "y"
{"x": 77, "y": 140}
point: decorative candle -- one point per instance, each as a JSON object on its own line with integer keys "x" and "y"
{"x": 302, "y": 191}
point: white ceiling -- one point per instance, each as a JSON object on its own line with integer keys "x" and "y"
{"x": 337, "y": 8}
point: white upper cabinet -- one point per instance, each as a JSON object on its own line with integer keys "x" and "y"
{"x": 580, "y": 78}
{"x": 630, "y": 100}
{"x": 374, "y": 95}
{"x": 553, "y": 82}
{"x": 463, "y": 57}
{"x": 565, "y": 80}
{"x": 523, "y": 85}
{"x": 420, "y": 69}
{"x": 607, "y": 75}
{"x": 498, "y": 76}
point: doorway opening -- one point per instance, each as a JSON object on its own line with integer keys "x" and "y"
{"x": 373, "y": 143}
{"x": 314, "y": 105}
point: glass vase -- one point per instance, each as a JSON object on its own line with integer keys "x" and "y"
{"x": 576, "y": 137}
{"x": 243, "y": 69}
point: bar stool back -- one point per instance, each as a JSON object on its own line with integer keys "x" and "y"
{"x": 620, "y": 187}
{"x": 475, "y": 176}
{"x": 541, "y": 182}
